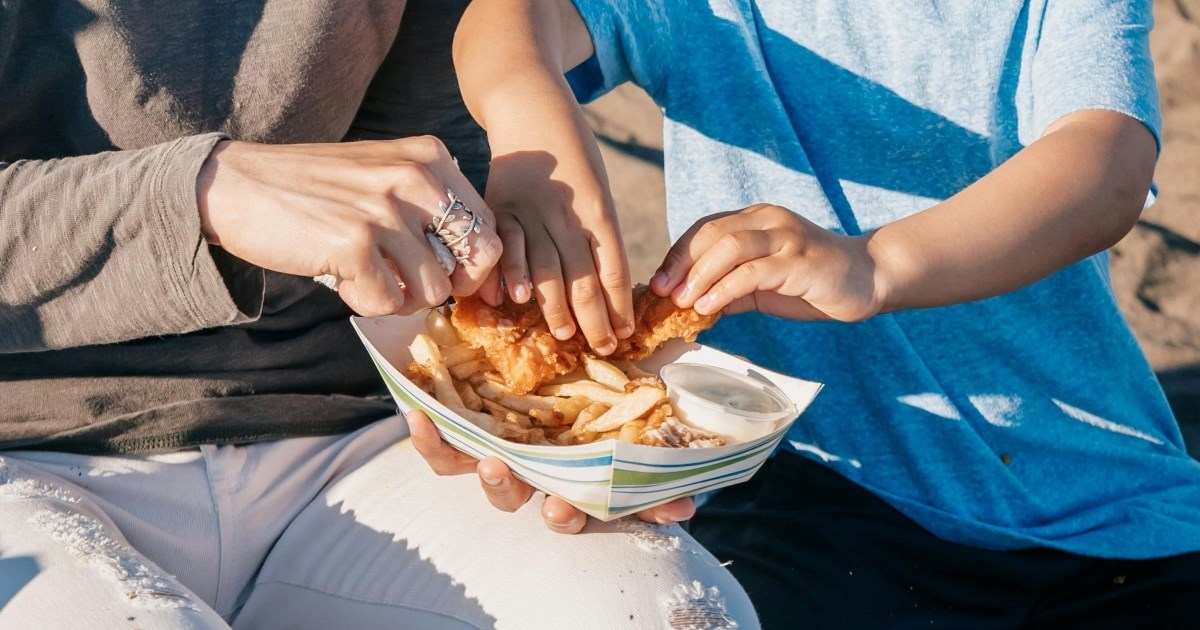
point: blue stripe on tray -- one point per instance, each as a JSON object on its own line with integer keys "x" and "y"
{"x": 477, "y": 451}
{"x": 686, "y": 493}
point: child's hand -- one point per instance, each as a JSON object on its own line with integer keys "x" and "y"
{"x": 553, "y": 208}
{"x": 770, "y": 259}
{"x": 562, "y": 242}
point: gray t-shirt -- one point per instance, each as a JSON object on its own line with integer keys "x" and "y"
{"x": 120, "y": 329}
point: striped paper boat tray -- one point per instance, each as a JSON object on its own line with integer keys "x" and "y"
{"x": 607, "y": 479}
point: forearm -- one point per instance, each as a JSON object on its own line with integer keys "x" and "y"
{"x": 509, "y": 50}
{"x": 511, "y": 56}
{"x": 1073, "y": 193}
{"x": 103, "y": 248}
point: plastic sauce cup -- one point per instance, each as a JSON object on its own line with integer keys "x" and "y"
{"x": 735, "y": 406}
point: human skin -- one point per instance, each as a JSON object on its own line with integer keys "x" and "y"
{"x": 1074, "y": 192}
{"x": 354, "y": 210}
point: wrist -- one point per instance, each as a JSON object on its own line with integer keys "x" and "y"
{"x": 552, "y": 153}
{"x": 888, "y": 271}
{"x": 206, "y": 192}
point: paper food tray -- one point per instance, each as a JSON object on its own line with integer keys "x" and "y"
{"x": 607, "y": 479}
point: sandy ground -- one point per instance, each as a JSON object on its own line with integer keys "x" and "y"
{"x": 1155, "y": 269}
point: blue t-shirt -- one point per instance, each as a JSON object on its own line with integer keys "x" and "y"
{"x": 1029, "y": 419}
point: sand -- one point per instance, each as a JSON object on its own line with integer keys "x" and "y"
{"x": 1155, "y": 269}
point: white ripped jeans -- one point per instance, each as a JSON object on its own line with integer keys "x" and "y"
{"x": 348, "y": 531}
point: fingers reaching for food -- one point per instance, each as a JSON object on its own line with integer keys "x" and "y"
{"x": 771, "y": 259}
{"x": 500, "y": 368}
{"x": 562, "y": 241}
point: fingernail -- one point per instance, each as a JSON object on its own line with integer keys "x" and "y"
{"x": 680, "y": 294}
{"x": 521, "y": 292}
{"x": 659, "y": 281}
{"x": 491, "y": 481}
{"x": 671, "y": 518}
{"x": 608, "y": 348}
{"x": 562, "y": 333}
{"x": 625, "y": 331}
{"x": 703, "y": 303}
{"x": 570, "y": 526}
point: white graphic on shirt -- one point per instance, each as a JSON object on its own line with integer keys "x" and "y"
{"x": 935, "y": 404}
{"x": 996, "y": 409}
{"x": 725, "y": 10}
{"x": 825, "y": 457}
{"x": 1107, "y": 425}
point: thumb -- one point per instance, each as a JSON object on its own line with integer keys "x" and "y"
{"x": 771, "y": 303}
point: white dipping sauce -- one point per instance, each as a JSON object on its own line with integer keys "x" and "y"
{"x": 735, "y": 406}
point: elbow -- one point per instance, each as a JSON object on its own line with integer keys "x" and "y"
{"x": 1129, "y": 186}
{"x": 1126, "y": 182}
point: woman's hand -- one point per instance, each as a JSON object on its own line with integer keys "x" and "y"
{"x": 770, "y": 259}
{"x": 508, "y": 493}
{"x": 356, "y": 211}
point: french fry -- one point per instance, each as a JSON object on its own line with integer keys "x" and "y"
{"x": 591, "y": 389}
{"x": 440, "y": 329}
{"x": 631, "y": 369}
{"x": 631, "y": 431}
{"x": 455, "y": 355}
{"x": 463, "y": 371}
{"x": 641, "y": 381}
{"x": 569, "y": 408}
{"x": 517, "y": 402}
{"x": 483, "y": 421}
{"x": 504, "y": 414}
{"x": 608, "y": 435}
{"x": 425, "y": 351}
{"x": 552, "y": 433}
{"x": 578, "y": 374}
{"x": 629, "y": 409}
{"x": 604, "y": 373}
{"x": 590, "y": 413}
{"x": 470, "y": 399}
{"x": 518, "y": 419}
{"x": 546, "y": 417}
{"x": 582, "y": 438}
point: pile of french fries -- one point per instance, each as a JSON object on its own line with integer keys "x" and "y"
{"x": 601, "y": 400}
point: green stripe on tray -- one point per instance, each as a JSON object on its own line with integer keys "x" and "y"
{"x": 630, "y": 509}
{"x": 622, "y": 477}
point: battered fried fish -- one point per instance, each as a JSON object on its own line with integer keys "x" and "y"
{"x": 519, "y": 345}
{"x": 516, "y": 340}
{"x": 656, "y": 321}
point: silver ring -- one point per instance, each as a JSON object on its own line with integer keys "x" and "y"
{"x": 447, "y": 237}
{"x": 453, "y": 230}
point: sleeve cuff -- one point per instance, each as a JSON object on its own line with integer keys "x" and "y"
{"x": 211, "y": 288}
